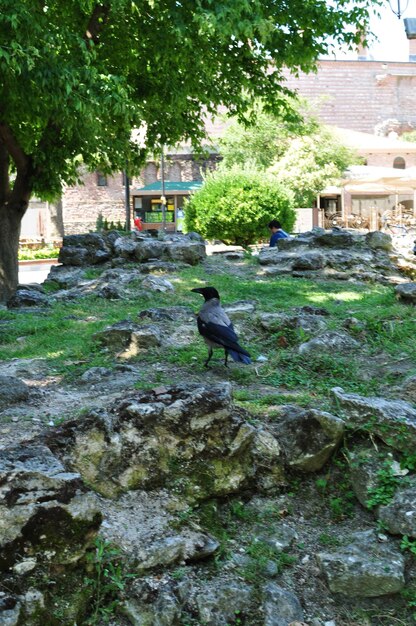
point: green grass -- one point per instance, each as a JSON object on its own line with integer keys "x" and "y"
{"x": 63, "y": 336}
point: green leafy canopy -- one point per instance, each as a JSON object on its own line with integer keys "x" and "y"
{"x": 78, "y": 75}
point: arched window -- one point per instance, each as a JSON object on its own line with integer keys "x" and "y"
{"x": 399, "y": 163}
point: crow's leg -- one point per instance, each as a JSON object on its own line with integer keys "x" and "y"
{"x": 226, "y": 358}
{"x": 209, "y": 357}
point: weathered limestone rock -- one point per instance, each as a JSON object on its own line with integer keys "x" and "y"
{"x": 43, "y": 509}
{"x": 283, "y": 321}
{"x": 281, "y": 537}
{"x": 192, "y": 252}
{"x": 65, "y": 277}
{"x": 329, "y": 342}
{"x": 307, "y": 437}
{"x": 337, "y": 254}
{"x": 379, "y": 241}
{"x": 218, "y": 603}
{"x": 149, "y": 604}
{"x": 394, "y": 421}
{"x": 125, "y": 247}
{"x": 312, "y": 260}
{"x": 187, "y": 437}
{"x": 12, "y": 390}
{"x": 281, "y": 607}
{"x": 88, "y": 249}
{"x": 406, "y": 292}
{"x": 26, "y": 296}
{"x": 150, "y": 249}
{"x": 170, "y": 313}
{"x": 157, "y": 283}
{"x": 142, "y": 525}
{"x": 238, "y": 310}
{"x": 128, "y": 338}
{"x": 399, "y": 517}
{"x": 365, "y": 464}
{"x": 335, "y": 239}
{"x": 364, "y": 567}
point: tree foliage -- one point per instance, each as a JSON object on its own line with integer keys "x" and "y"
{"x": 311, "y": 163}
{"x": 78, "y": 75}
{"x": 265, "y": 140}
{"x": 236, "y": 205}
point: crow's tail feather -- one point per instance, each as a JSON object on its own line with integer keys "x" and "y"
{"x": 239, "y": 357}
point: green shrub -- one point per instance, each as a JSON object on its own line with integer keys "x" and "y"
{"x": 236, "y": 205}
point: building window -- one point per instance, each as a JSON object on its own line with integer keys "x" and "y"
{"x": 101, "y": 180}
{"x": 399, "y": 163}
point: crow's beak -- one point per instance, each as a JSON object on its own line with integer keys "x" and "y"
{"x": 197, "y": 290}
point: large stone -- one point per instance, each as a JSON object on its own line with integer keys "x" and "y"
{"x": 280, "y": 607}
{"x": 406, "y": 292}
{"x": 365, "y": 464}
{"x": 43, "y": 509}
{"x": 150, "y": 249}
{"x": 12, "y": 390}
{"x": 399, "y": 516}
{"x": 65, "y": 277}
{"x": 308, "y": 437}
{"x": 309, "y": 260}
{"x": 186, "y": 437}
{"x": 408, "y": 389}
{"x": 192, "y": 252}
{"x": 329, "y": 342}
{"x": 128, "y": 339}
{"x": 125, "y": 247}
{"x": 157, "y": 283}
{"x": 219, "y": 604}
{"x": 25, "y": 296}
{"x": 283, "y": 321}
{"x": 144, "y": 528}
{"x": 394, "y": 421}
{"x": 335, "y": 239}
{"x": 88, "y": 249}
{"x": 379, "y": 241}
{"x": 169, "y": 313}
{"x": 151, "y": 604}
{"x": 364, "y": 567}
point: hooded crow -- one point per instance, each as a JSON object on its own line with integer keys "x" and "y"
{"x": 216, "y": 328}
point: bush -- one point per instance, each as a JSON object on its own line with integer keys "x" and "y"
{"x": 236, "y": 205}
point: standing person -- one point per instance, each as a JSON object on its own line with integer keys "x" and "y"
{"x": 277, "y": 232}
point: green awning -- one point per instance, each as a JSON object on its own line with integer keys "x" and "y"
{"x": 170, "y": 187}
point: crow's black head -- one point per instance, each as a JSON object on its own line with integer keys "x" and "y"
{"x": 207, "y": 292}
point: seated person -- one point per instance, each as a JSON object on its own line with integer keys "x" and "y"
{"x": 277, "y": 232}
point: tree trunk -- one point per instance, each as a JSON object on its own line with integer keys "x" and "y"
{"x": 9, "y": 246}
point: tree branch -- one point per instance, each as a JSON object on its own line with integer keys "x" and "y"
{"x": 13, "y": 147}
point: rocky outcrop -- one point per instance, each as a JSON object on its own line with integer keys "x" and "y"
{"x": 187, "y": 437}
{"x": 95, "y": 248}
{"x": 337, "y": 254}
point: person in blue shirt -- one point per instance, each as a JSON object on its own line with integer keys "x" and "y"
{"x": 277, "y": 232}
